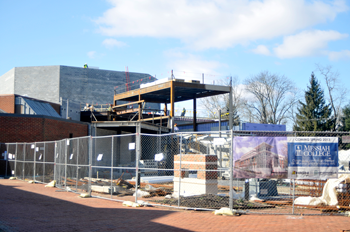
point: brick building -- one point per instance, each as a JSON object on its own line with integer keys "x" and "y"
{"x": 15, "y": 104}
{"x": 35, "y": 128}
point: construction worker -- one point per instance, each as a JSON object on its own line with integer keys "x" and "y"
{"x": 183, "y": 112}
{"x": 175, "y": 127}
{"x": 85, "y": 65}
{"x": 87, "y": 107}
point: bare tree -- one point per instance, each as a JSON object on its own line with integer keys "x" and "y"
{"x": 221, "y": 102}
{"x": 336, "y": 91}
{"x": 274, "y": 97}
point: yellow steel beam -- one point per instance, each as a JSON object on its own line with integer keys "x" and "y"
{"x": 155, "y": 118}
{"x": 130, "y": 103}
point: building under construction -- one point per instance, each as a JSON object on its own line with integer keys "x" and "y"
{"x": 128, "y": 111}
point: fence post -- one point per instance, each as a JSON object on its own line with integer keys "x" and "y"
{"x": 90, "y": 164}
{"x": 138, "y": 140}
{"x": 15, "y": 162}
{"x": 44, "y": 162}
{"x": 293, "y": 195}
{"x": 54, "y": 164}
{"x": 34, "y": 161}
{"x": 65, "y": 163}
{"x": 112, "y": 146}
{"x": 76, "y": 184}
{"x": 180, "y": 172}
{"x": 231, "y": 172}
{"x": 295, "y": 135}
{"x": 24, "y": 159}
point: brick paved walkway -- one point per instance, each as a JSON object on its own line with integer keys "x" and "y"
{"x": 32, "y": 207}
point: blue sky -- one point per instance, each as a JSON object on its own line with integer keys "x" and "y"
{"x": 219, "y": 38}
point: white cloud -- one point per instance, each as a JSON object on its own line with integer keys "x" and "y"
{"x": 262, "y": 50}
{"x": 344, "y": 54}
{"x": 91, "y": 54}
{"x": 203, "y": 24}
{"x": 110, "y": 43}
{"x": 189, "y": 66}
{"x": 307, "y": 43}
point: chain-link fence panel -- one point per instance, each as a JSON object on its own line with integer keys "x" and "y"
{"x": 60, "y": 160}
{"x": 20, "y": 154}
{"x": 124, "y": 157}
{"x": 182, "y": 170}
{"x": 156, "y": 166}
{"x": 263, "y": 163}
{"x": 123, "y": 167}
{"x": 201, "y": 164}
{"x": 29, "y": 169}
{"x": 76, "y": 153}
{"x": 113, "y": 162}
{"x": 49, "y": 162}
{"x": 83, "y": 164}
{"x": 39, "y": 162}
{"x": 11, "y": 167}
{"x": 101, "y": 162}
{"x": 71, "y": 164}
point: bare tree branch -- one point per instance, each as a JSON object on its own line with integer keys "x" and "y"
{"x": 336, "y": 91}
{"x": 221, "y": 102}
{"x": 274, "y": 96}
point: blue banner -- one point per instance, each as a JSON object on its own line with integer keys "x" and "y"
{"x": 312, "y": 157}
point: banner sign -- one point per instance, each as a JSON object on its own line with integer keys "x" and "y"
{"x": 345, "y": 139}
{"x": 312, "y": 157}
{"x": 260, "y": 157}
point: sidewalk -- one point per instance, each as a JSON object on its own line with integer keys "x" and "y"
{"x": 32, "y": 207}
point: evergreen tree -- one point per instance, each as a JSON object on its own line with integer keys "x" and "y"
{"x": 345, "y": 120}
{"x": 314, "y": 114}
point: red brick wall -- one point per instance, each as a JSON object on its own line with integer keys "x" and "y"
{"x": 54, "y": 129}
{"x": 38, "y": 128}
{"x": 197, "y": 162}
{"x": 7, "y": 103}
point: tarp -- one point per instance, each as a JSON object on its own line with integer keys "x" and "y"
{"x": 329, "y": 194}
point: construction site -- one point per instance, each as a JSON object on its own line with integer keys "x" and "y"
{"x": 134, "y": 151}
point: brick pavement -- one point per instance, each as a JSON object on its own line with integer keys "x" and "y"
{"x": 32, "y": 207}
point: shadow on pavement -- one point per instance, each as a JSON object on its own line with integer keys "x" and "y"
{"x": 28, "y": 211}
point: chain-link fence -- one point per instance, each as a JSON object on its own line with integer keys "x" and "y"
{"x": 252, "y": 172}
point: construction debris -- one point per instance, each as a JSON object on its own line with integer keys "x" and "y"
{"x": 52, "y": 184}
{"x": 226, "y": 212}
{"x": 131, "y": 204}
{"x": 157, "y": 192}
{"x": 84, "y": 195}
{"x": 121, "y": 182}
{"x": 141, "y": 193}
